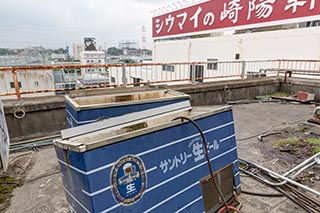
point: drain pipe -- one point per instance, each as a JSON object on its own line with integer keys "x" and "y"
{"x": 207, "y": 157}
{"x": 294, "y": 176}
{"x": 314, "y": 157}
{"x": 316, "y": 160}
{"x": 305, "y": 166}
{"x": 281, "y": 177}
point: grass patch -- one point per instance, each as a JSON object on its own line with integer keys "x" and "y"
{"x": 280, "y": 94}
{"x": 303, "y": 128}
{"x": 315, "y": 142}
{"x": 316, "y": 149}
{"x": 292, "y": 140}
{"x": 7, "y": 185}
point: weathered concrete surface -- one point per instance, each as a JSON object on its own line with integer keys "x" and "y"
{"x": 250, "y": 121}
{"x": 42, "y": 190}
{"x": 44, "y": 116}
{"x": 46, "y": 194}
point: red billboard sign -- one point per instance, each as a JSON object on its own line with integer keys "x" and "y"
{"x": 219, "y": 15}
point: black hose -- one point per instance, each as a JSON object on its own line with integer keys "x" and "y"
{"x": 207, "y": 156}
{"x": 261, "y": 194}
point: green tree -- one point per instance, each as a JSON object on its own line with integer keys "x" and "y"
{"x": 114, "y": 51}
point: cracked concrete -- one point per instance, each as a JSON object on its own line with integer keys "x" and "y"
{"x": 43, "y": 190}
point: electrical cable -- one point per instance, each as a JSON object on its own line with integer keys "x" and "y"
{"x": 262, "y": 180}
{"x": 268, "y": 130}
{"x": 261, "y": 194}
{"x": 207, "y": 156}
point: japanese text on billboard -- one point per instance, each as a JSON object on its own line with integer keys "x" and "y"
{"x": 215, "y": 15}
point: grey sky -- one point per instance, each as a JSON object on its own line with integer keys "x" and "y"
{"x": 57, "y": 23}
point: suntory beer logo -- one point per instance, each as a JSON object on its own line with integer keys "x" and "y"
{"x": 128, "y": 180}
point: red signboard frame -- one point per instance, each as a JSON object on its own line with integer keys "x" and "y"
{"x": 219, "y": 15}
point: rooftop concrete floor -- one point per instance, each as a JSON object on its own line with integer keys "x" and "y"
{"x": 43, "y": 190}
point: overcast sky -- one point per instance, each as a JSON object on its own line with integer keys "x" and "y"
{"x": 57, "y": 23}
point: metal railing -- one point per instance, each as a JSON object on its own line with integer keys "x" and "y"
{"x": 25, "y": 80}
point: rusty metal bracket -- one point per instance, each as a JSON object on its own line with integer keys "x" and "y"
{"x": 288, "y": 74}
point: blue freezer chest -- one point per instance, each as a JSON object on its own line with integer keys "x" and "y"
{"x": 88, "y": 109}
{"x": 152, "y": 169}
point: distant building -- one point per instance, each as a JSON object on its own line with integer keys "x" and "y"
{"x": 91, "y": 55}
{"x": 126, "y": 44}
{"x": 28, "y": 80}
{"x": 55, "y": 56}
{"x": 75, "y": 51}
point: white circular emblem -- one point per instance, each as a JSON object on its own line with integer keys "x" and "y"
{"x": 128, "y": 179}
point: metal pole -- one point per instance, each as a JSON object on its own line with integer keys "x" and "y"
{"x": 124, "y": 75}
{"x": 243, "y": 71}
{"x": 279, "y": 67}
{"x": 16, "y": 83}
{"x": 193, "y": 73}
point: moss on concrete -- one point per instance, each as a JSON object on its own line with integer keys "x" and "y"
{"x": 7, "y": 185}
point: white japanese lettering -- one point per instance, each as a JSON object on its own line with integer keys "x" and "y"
{"x": 195, "y": 17}
{"x": 169, "y": 19}
{"x": 262, "y": 9}
{"x": 312, "y": 4}
{"x": 232, "y": 12}
{"x": 130, "y": 188}
{"x": 159, "y": 25}
{"x": 175, "y": 162}
{"x": 197, "y": 150}
{"x": 294, "y": 4}
{"x": 208, "y": 19}
{"x": 184, "y": 18}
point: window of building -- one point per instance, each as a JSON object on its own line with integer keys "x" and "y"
{"x": 36, "y": 83}
{"x": 88, "y": 70}
{"x": 100, "y": 70}
{"x": 168, "y": 67}
{"x": 212, "y": 64}
{"x": 99, "y": 60}
{"x": 92, "y": 60}
{"x": 237, "y": 56}
{"x": 12, "y": 85}
{"x": 88, "y": 60}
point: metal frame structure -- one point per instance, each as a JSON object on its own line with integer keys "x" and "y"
{"x": 157, "y": 73}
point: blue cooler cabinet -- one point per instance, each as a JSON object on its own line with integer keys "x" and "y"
{"x": 152, "y": 165}
{"x": 87, "y": 109}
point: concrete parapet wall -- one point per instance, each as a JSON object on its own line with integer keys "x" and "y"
{"x": 43, "y": 117}
{"x": 219, "y": 92}
{"x": 293, "y": 85}
{"x": 46, "y": 116}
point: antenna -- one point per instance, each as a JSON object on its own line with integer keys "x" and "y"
{"x": 143, "y": 37}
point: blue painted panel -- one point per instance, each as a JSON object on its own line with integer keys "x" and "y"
{"x": 174, "y": 162}
{"x": 77, "y": 118}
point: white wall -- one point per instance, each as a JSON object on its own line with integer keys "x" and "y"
{"x": 30, "y": 80}
{"x": 303, "y": 43}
